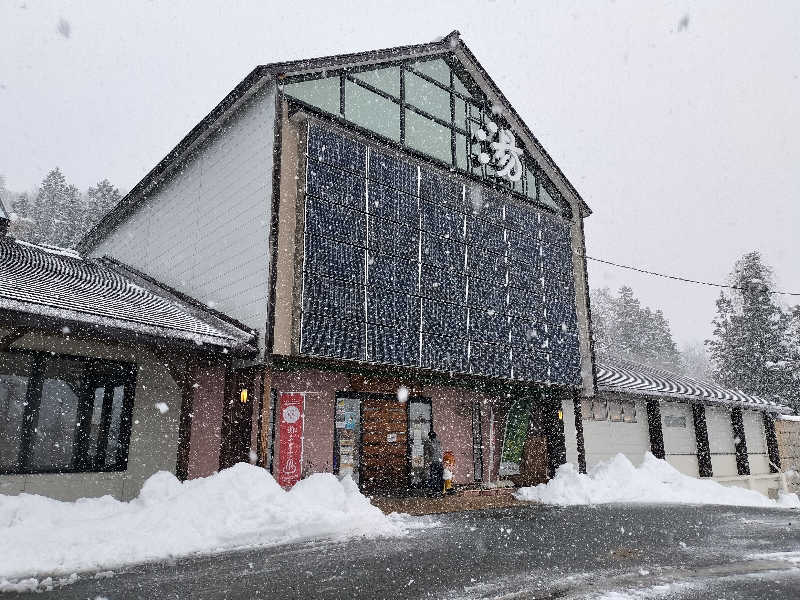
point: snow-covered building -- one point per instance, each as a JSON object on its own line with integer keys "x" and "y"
{"x": 395, "y": 251}
{"x": 408, "y": 252}
{"x": 99, "y": 366}
{"x": 702, "y": 429}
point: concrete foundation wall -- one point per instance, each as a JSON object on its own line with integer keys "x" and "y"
{"x": 154, "y": 436}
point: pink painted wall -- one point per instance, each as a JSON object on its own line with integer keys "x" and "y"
{"x": 318, "y": 425}
{"x": 452, "y": 420}
{"x": 207, "y": 402}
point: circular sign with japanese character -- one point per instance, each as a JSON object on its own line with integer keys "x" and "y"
{"x": 291, "y": 414}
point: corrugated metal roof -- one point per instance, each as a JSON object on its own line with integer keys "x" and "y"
{"x": 626, "y": 376}
{"x": 59, "y": 283}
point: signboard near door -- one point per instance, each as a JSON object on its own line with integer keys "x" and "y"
{"x": 291, "y": 409}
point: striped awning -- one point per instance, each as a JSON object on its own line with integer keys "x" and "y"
{"x": 634, "y": 378}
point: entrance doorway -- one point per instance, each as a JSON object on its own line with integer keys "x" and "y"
{"x": 525, "y": 447}
{"x": 242, "y": 392}
{"x": 384, "y": 444}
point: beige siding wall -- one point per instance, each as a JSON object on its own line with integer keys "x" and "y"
{"x": 205, "y": 230}
{"x": 154, "y": 436}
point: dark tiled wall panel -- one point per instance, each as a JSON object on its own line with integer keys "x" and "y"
{"x": 405, "y": 266}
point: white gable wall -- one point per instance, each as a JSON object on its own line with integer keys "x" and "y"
{"x": 205, "y": 230}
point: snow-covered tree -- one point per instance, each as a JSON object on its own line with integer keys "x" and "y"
{"x": 750, "y": 348}
{"x": 695, "y": 361}
{"x": 57, "y": 213}
{"x": 623, "y": 328}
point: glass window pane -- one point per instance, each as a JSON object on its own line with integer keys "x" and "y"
{"x": 586, "y": 410}
{"x": 428, "y": 97}
{"x": 95, "y": 424}
{"x": 460, "y": 87}
{"x": 461, "y": 151}
{"x": 435, "y": 69}
{"x": 427, "y": 136}
{"x": 14, "y": 373}
{"x": 115, "y": 426}
{"x": 546, "y": 198}
{"x": 372, "y": 111}
{"x": 530, "y": 182}
{"x": 461, "y": 113}
{"x": 58, "y": 413}
{"x": 629, "y": 412}
{"x": 322, "y": 93}
{"x": 600, "y": 410}
{"x": 387, "y": 80}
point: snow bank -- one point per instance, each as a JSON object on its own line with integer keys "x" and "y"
{"x": 656, "y": 481}
{"x": 238, "y": 507}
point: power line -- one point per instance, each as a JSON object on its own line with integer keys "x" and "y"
{"x": 684, "y": 279}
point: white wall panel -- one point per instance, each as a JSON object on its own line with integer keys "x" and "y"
{"x": 756, "y": 439}
{"x": 570, "y": 431}
{"x": 720, "y": 430}
{"x": 205, "y": 230}
{"x": 678, "y": 440}
{"x": 605, "y": 439}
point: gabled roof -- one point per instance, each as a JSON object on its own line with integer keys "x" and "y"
{"x": 635, "y": 378}
{"x": 58, "y": 285}
{"x": 451, "y": 43}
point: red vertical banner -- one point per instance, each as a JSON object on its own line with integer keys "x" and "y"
{"x": 290, "y": 455}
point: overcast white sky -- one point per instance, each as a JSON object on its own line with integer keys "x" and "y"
{"x": 678, "y": 122}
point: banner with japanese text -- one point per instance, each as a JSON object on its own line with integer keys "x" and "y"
{"x": 290, "y": 431}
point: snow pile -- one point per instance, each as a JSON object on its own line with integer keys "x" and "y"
{"x": 238, "y": 507}
{"x": 655, "y": 481}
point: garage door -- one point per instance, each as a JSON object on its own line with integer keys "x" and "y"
{"x": 680, "y": 446}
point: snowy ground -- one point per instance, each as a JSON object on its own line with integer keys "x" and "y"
{"x": 600, "y": 552}
{"x": 654, "y": 481}
{"x": 237, "y": 508}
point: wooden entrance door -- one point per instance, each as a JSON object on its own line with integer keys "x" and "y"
{"x": 242, "y": 392}
{"x": 384, "y": 444}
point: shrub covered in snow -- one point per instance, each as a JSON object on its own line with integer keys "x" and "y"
{"x": 238, "y": 507}
{"x": 654, "y": 481}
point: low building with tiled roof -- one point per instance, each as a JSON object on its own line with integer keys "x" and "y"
{"x": 106, "y": 375}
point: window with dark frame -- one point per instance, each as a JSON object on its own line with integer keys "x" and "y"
{"x": 429, "y": 106}
{"x": 64, "y": 414}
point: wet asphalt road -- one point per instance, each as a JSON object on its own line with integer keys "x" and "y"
{"x": 613, "y": 552}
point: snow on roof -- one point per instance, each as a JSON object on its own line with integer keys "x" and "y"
{"x": 59, "y": 283}
{"x": 635, "y": 378}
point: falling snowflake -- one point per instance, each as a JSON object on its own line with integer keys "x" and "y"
{"x": 162, "y": 407}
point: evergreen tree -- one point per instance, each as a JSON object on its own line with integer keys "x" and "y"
{"x": 624, "y": 329}
{"x": 56, "y": 210}
{"x": 749, "y": 349}
{"x": 99, "y": 200}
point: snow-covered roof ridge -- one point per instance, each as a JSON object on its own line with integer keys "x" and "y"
{"x": 63, "y": 286}
{"x": 623, "y": 375}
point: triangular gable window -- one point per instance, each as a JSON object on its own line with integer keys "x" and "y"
{"x": 426, "y": 106}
